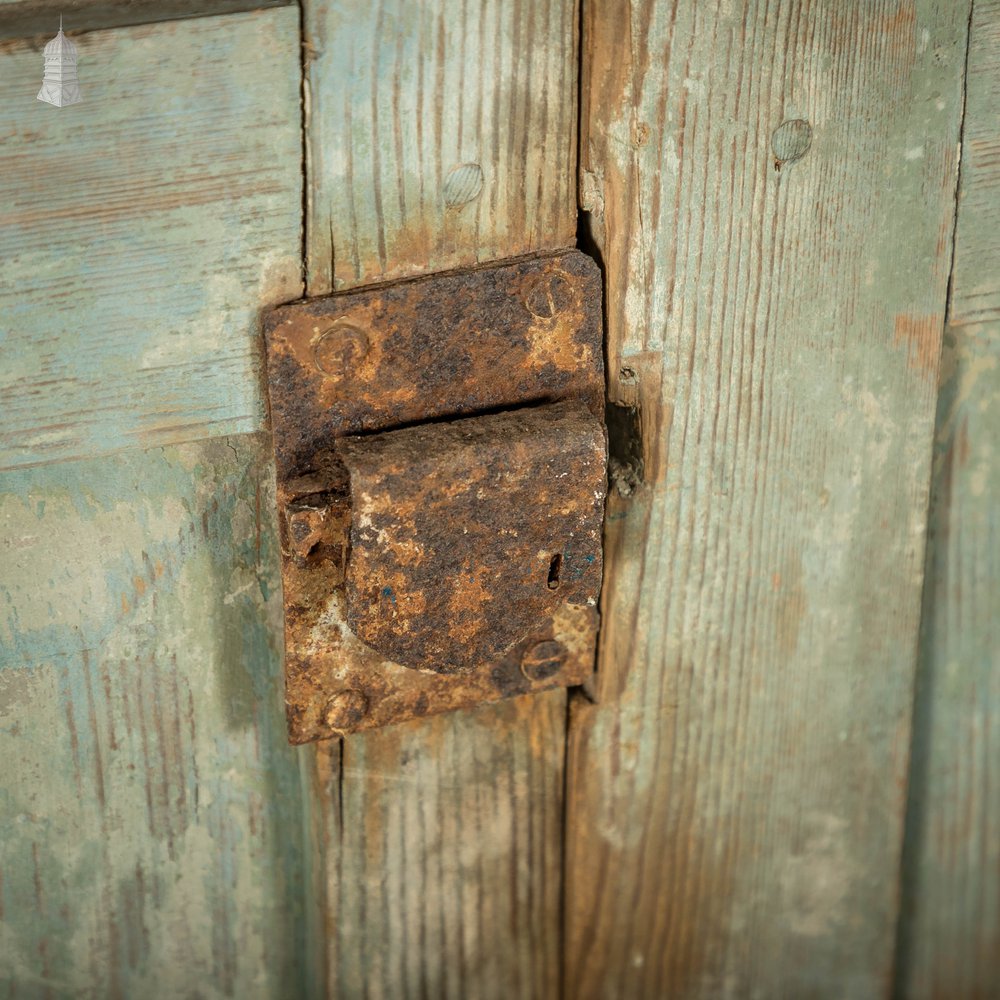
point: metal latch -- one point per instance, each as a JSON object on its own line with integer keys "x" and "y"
{"x": 440, "y": 454}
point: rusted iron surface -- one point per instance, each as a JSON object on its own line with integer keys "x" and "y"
{"x": 444, "y": 346}
{"x": 467, "y": 536}
{"x": 433, "y": 566}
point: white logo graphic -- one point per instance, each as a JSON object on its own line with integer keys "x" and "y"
{"x": 60, "y": 86}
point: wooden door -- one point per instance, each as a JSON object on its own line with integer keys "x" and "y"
{"x": 785, "y": 782}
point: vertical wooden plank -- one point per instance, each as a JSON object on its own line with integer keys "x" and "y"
{"x": 444, "y": 843}
{"x": 771, "y": 188}
{"x": 975, "y": 290}
{"x": 151, "y": 829}
{"x": 142, "y": 231}
{"x": 950, "y": 924}
{"x": 440, "y": 134}
{"x": 441, "y": 840}
{"x": 152, "y": 820}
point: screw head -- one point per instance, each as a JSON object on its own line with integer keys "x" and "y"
{"x": 790, "y": 141}
{"x": 346, "y": 709}
{"x": 339, "y": 349}
{"x": 548, "y": 296}
{"x": 542, "y": 660}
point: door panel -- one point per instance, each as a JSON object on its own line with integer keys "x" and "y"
{"x": 772, "y": 191}
{"x": 153, "y": 821}
{"x": 950, "y": 925}
{"x": 441, "y": 840}
{"x": 442, "y": 848}
{"x": 143, "y": 231}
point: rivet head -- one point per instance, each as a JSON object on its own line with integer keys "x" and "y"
{"x": 543, "y": 660}
{"x": 346, "y": 709}
{"x": 463, "y": 184}
{"x": 548, "y": 296}
{"x": 339, "y": 349}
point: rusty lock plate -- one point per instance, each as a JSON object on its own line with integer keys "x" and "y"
{"x": 440, "y": 456}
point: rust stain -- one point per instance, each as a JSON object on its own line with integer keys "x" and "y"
{"x": 417, "y": 561}
{"x": 921, "y": 337}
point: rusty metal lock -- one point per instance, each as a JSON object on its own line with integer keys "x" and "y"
{"x": 440, "y": 455}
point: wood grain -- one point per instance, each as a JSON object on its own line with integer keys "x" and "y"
{"x": 735, "y": 802}
{"x": 440, "y": 842}
{"x": 143, "y": 231}
{"x": 444, "y": 840}
{"x": 151, "y": 830}
{"x": 975, "y": 292}
{"x": 440, "y": 133}
{"x": 27, "y": 18}
{"x": 950, "y": 923}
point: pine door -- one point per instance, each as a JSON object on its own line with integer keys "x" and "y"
{"x": 783, "y": 782}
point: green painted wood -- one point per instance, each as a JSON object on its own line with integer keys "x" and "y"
{"x": 440, "y": 134}
{"x": 143, "y": 230}
{"x": 151, "y": 828}
{"x": 975, "y": 294}
{"x": 153, "y": 837}
{"x": 440, "y": 842}
{"x": 775, "y": 305}
{"x": 950, "y": 924}
{"x": 27, "y": 18}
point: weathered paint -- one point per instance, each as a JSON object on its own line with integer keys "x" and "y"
{"x": 975, "y": 295}
{"x": 143, "y": 231}
{"x": 151, "y": 829}
{"x": 775, "y": 317}
{"x": 156, "y": 342}
{"x": 152, "y": 812}
{"x": 440, "y": 133}
{"x": 736, "y": 799}
{"x": 25, "y": 18}
{"x": 950, "y": 922}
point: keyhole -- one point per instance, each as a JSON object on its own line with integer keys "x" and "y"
{"x": 555, "y": 566}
